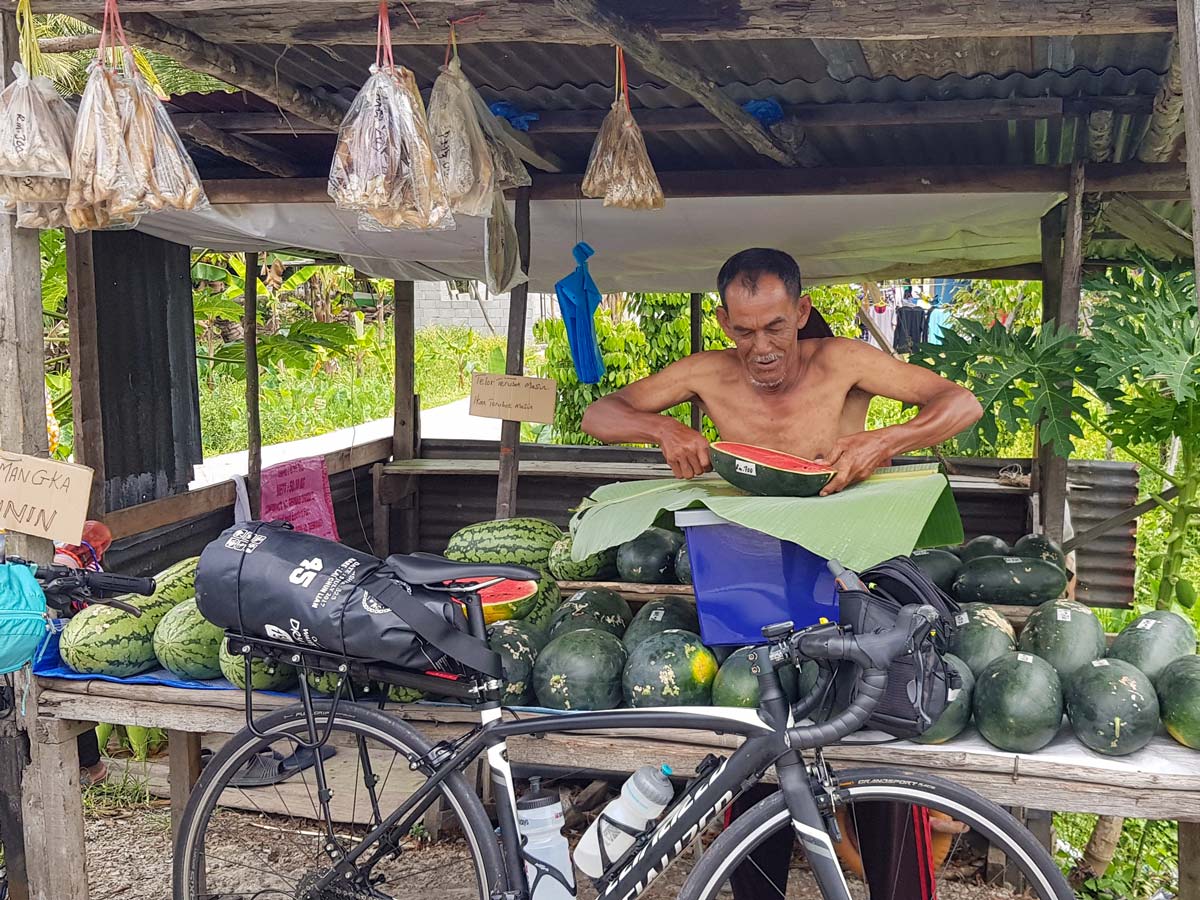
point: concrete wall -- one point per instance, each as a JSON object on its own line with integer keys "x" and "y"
{"x": 436, "y": 306}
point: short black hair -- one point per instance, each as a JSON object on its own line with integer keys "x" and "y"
{"x": 749, "y": 265}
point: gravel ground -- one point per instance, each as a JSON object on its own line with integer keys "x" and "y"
{"x": 129, "y": 858}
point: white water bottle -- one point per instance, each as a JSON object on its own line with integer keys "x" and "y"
{"x": 540, "y": 821}
{"x": 644, "y": 796}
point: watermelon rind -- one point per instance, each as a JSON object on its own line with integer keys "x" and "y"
{"x": 940, "y": 566}
{"x": 981, "y": 634}
{"x": 1009, "y": 581}
{"x": 520, "y": 541}
{"x": 744, "y": 466}
{"x": 671, "y": 668}
{"x": 650, "y": 557}
{"x": 548, "y": 600}
{"x": 592, "y": 608}
{"x": 957, "y": 714}
{"x": 264, "y": 676}
{"x": 518, "y": 644}
{"x": 102, "y": 640}
{"x": 1153, "y": 641}
{"x": 580, "y": 670}
{"x": 984, "y": 545}
{"x": 188, "y": 645}
{"x": 683, "y": 565}
{"x": 1018, "y": 703}
{"x": 1179, "y": 700}
{"x": 660, "y": 615}
{"x": 509, "y": 599}
{"x": 734, "y": 683}
{"x": 600, "y": 566}
{"x": 1064, "y": 633}
{"x": 1112, "y": 707}
{"x": 1038, "y": 546}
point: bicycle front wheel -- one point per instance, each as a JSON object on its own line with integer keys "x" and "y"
{"x": 248, "y": 833}
{"x": 902, "y": 836}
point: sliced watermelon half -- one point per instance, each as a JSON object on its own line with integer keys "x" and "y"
{"x": 507, "y": 599}
{"x": 769, "y": 473}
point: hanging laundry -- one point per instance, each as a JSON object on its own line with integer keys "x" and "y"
{"x": 939, "y": 322}
{"x": 883, "y": 317}
{"x": 579, "y": 298}
{"x": 912, "y": 328}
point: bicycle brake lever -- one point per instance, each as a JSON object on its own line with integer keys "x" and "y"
{"x": 121, "y": 605}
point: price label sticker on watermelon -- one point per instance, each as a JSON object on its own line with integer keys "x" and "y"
{"x": 1099, "y": 663}
{"x": 44, "y": 497}
{"x": 745, "y": 467}
{"x": 1063, "y": 615}
{"x": 961, "y": 619}
{"x": 1146, "y": 624}
{"x": 1025, "y": 657}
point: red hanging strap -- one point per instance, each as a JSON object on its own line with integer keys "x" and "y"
{"x": 112, "y": 34}
{"x": 624, "y": 77}
{"x": 383, "y": 39}
{"x": 452, "y": 43}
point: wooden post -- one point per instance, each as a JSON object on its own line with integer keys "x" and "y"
{"x": 406, "y": 418}
{"x": 85, "y": 365}
{"x": 253, "y": 418}
{"x": 1189, "y": 65}
{"x": 1050, "y": 471}
{"x": 514, "y": 364}
{"x": 183, "y": 771}
{"x": 1189, "y": 860}
{"x": 697, "y": 312}
{"x": 53, "y": 810}
{"x": 22, "y": 430}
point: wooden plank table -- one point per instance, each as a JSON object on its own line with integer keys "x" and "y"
{"x": 1160, "y": 782}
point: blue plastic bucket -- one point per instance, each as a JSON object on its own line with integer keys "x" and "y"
{"x": 746, "y": 580}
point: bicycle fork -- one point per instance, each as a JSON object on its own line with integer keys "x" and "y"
{"x": 810, "y": 826}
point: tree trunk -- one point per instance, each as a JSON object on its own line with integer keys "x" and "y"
{"x": 1101, "y": 847}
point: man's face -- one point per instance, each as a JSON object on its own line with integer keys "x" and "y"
{"x": 762, "y": 325}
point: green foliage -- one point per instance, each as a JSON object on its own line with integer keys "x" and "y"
{"x": 1015, "y": 302}
{"x": 1146, "y": 861}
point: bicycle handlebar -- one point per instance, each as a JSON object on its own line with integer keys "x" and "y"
{"x": 873, "y": 654}
{"x": 63, "y": 584}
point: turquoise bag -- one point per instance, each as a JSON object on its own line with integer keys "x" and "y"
{"x": 23, "y": 622}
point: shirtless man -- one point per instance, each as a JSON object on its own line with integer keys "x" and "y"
{"x": 777, "y": 389}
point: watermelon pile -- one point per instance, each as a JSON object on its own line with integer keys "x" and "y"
{"x": 987, "y": 570}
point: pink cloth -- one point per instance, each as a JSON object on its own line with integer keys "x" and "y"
{"x": 298, "y": 492}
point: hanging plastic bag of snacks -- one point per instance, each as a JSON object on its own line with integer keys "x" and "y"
{"x": 35, "y": 154}
{"x": 501, "y": 252}
{"x": 619, "y": 168}
{"x": 383, "y": 165}
{"x": 463, "y": 153}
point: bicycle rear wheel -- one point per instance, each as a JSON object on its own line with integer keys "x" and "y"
{"x": 270, "y": 842}
{"x": 897, "y": 828}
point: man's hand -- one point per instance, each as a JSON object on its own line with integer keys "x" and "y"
{"x": 855, "y": 456}
{"x": 685, "y": 450}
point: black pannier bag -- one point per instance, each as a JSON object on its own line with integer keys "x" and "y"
{"x": 265, "y": 580}
{"x": 920, "y": 684}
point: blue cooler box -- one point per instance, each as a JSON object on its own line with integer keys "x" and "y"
{"x": 746, "y": 580}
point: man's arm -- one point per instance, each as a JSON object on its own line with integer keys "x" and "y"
{"x": 945, "y": 409}
{"x": 633, "y": 415}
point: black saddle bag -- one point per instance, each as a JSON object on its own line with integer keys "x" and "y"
{"x": 920, "y": 683}
{"x": 265, "y": 580}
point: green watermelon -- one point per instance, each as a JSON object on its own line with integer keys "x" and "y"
{"x": 1038, "y": 546}
{"x": 1009, "y": 580}
{"x": 1112, "y": 707}
{"x": 1065, "y": 634}
{"x": 981, "y": 634}
{"x": 507, "y": 599}
{"x": 1153, "y": 641}
{"x": 683, "y": 565}
{"x": 580, "y": 670}
{"x": 264, "y": 676}
{"x": 1179, "y": 700}
{"x": 188, "y": 645}
{"x": 599, "y": 566}
{"x": 671, "y": 668}
{"x": 548, "y": 599}
{"x": 1018, "y": 703}
{"x": 520, "y": 541}
{"x": 659, "y": 615}
{"x": 940, "y": 566}
{"x": 398, "y": 694}
{"x": 736, "y": 685}
{"x": 327, "y": 683}
{"x": 766, "y": 472}
{"x": 650, "y": 557}
{"x": 957, "y": 714}
{"x": 984, "y": 545}
{"x": 592, "y": 608}
{"x": 518, "y": 645}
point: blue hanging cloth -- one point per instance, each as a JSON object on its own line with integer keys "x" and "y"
{"x": 579, "y": 298}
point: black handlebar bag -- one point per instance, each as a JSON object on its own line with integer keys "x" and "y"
{"x": 265, "y": 580}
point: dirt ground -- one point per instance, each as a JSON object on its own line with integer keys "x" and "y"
{"x": 129, "y": 858}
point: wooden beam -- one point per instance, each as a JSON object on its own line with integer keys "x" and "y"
{"x": 1166, "y": 119}
{"x": 643, "y": 43}
{"x": 71, "y": 43}
{"x": 252, "y": 153}
{"x": 514, "y": 364}
{"x": 1159, "y": 237}
{"x": 1072, "y": 277}
{"x": 253, "y": 417}
{"x": 87, "y": 410}
{"x": 352, "y": 21}
{"x": 1189, "y": 64}
{"x": 248, "y": 122}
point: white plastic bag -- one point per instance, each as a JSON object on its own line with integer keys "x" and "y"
{"x": 501, "y": 251}
{"x": 463, "y": 153}
{"x": 510, "y": 171}
{"x": 619, "y": 169}
{"x": 105, "y": 190}
{"x": 35, "y": 141}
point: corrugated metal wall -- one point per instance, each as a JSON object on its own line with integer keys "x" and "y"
{"x": 1099, "y": 490}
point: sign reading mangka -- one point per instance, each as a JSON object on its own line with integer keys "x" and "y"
{"x": 513, "y": 397}
{"x": 43, "y": 497}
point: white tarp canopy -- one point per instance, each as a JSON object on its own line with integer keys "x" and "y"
{"x": 835, "y": 238}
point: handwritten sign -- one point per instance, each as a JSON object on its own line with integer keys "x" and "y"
{"x": 513, "y": 397}
{"x": 43, "y": 497}
{"x": 298, "y": 492}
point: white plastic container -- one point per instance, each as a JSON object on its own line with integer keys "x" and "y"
{"x": 644, "y": 796}
{"x": 540, "y": 821}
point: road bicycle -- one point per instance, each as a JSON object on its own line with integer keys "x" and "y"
{"x": 350, "y": 824}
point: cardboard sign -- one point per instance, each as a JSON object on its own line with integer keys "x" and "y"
{"x": 298, "y": 492}
{"x": 513, "y": 397}
{"x": 43, "y": 497}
